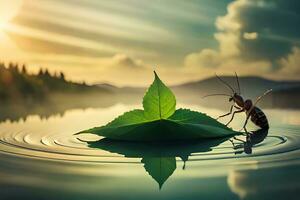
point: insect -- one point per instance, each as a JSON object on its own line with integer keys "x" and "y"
{"x": 255, "y": 114}
{"x": 251, "y": 139}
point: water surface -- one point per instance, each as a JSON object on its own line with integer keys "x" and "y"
{"x": 41, "y": 159}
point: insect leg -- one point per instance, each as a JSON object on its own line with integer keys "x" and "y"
{"x": 236, "y": 146}
{"x": 231, "y": 108}
{"x": 238, "y": 139}
{"x": 238, "y": 111}
{"x": 245, "y": 124}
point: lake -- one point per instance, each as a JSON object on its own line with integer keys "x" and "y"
{"x": 40, "y": 158}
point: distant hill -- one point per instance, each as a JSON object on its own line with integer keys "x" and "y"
{"x": 16, "y": 85}
{"x": 285, "y": 98}
{"x": 251, "y": 87}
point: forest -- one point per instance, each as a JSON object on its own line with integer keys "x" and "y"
{"x": 18, "y": 85}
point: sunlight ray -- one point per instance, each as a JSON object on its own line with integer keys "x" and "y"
{"x": 106, "y": 30}
{"x": 70, "y": 40}
{"x": 105, "y": 18}
{"x": 64, "y": 39}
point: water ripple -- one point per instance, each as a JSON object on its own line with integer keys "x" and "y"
{"x": 69, "y": 148}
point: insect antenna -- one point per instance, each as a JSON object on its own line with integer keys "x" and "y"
{"x": 260, "y": 97}
{"x": 238, "y": 82}
{"x": 210, "y": 95}
{"x": 224, "y": 82}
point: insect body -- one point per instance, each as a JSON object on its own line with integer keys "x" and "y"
{"x": 253, "y": 113}
{"x": 259, "y": 118}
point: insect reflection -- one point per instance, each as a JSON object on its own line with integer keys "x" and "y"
{"x": 252, "y": 139}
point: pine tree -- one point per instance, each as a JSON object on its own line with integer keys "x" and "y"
{"x": 61, "y": 76}
{"x": 41, "y": 72}
{"x": 24, "y": 70}
{"x": 47, "y": 73}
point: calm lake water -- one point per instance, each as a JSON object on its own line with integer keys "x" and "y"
{"x": 42, "y": 159}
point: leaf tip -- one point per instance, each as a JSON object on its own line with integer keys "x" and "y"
{"x": 155, "y": 74}
{"x": 81, "y": 140}
{"x": 78, "y": 133}
{"x": 160, "y": 186}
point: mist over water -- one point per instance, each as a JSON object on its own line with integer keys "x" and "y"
{"x": 41, "y": 158}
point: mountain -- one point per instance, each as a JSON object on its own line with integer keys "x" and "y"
{"x": 251, "y": 88}
{"x": 120, "y": 90}
{"x": 285, "y": 98}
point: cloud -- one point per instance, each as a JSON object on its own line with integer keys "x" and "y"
{"x": 122, "y": 69}
{"x": 124, "y": 61}
{"x": 207, "y": 58}
{"x": 210, "y": 61}
{"x": 254, "y": 36}
{"x": 250, "y": 36}
{"x": 291, "y": 64}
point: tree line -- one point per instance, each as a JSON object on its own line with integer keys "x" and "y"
{"x": 17, "y": 84}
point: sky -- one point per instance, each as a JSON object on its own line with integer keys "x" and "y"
{"x": 122, "y": 41}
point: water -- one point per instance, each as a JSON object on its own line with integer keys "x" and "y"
{"x": 42, "y": 159}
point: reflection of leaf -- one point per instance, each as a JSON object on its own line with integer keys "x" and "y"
{"x": 158, "y": 158}
{"x": 159, "y": 102}
{"x": 160, "y": 168}
{"x": 155, "y": 149}
{"x": 160, "y": 122}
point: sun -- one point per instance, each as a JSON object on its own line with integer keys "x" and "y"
{"x": 8, "y": 9}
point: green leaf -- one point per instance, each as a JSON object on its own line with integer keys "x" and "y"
{"x": 182, "y": 125}
{"x": 160, "y": 168}
{"x": 160, "y": 122}
{"x": 187, "y": 116}
{"x": 159, "y": 102}
{"x": 130, "y": 118}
